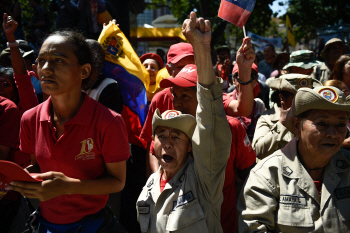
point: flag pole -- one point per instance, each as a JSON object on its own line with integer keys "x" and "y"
{"x": 245, "y": 34}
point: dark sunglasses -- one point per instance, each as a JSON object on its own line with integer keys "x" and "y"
{"x": 5, "y": 84}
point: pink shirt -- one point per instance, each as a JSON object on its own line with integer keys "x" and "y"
{"x": 93, "y": 137}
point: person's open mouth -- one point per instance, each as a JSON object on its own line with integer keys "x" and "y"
{"x": 167, "y": 158}
{"x": 329, "y": 145}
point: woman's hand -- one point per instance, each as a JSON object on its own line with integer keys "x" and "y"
{"x": 54, "y": 184}
{"x": 9, "y": 25}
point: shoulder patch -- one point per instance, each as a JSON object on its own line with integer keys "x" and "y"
{"x": 342, "y": 192}
{"x": 184, "y": 199}
{"x": 150, "y": 183}
{"x": 342, "y": 164}
{"x": 287, "y": 171}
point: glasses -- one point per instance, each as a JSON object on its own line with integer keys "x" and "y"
{"x": 5, "y": 84}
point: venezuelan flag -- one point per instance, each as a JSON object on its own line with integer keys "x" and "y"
{"x": 154, "y": 89}
{"x": 123, "y": 65}
{"x": 236, "y": 12}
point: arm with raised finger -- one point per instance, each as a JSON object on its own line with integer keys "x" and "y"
{"x": 245, "y": 58}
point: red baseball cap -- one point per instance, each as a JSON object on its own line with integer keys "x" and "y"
{"x": 178, "y": 51}
{"x": 187, "y": 77}
{"x": 152, "y": 56}
{"x": 235, "y": 68}
{"x": 10, "y": 171}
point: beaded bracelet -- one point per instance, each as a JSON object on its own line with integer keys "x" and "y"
{"x": 244, "y": 83}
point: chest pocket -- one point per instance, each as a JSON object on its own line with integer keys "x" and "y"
{"x": 144, "y": 217}
{"x": 294, "y": 215}
{"x": 343, "y": 210}
{"x": 186, "y": 215}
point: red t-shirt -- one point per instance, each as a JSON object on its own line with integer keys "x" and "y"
{"x": 242, "y": 156}
{"x": 93, "y": 137}
{"x": 162, "y": 100}
{"x": 9, "y": 123}
{"x": 27, "y": 100}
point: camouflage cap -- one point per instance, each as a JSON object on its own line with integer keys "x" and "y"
{"x": 332, "y": 41}
{"x": 292, "y": 82}
{"x": 302, "y": 58}
{"x": 322, "y": 98}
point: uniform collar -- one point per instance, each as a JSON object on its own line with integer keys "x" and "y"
{"x": 275, "y": 113}
{"x": 178, "y": 178}
{"x": 83, "y": 117}
{"x": 291, "y": 166}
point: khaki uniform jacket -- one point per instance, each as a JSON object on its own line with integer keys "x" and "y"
{"x": 270, "y": 135}
{"x": 191, "y": 200}
{"x": 325, "y": 73}
{"x": 280, "y": 195}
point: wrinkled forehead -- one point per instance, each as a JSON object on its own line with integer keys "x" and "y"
{"x": 327, "y": 114}
{"x": 164, "y": 129}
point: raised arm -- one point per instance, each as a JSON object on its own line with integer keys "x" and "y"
{"x": 212, "y": 137}
{"x": 198, "y": 32}
{"x": 10, "y": 25}
{"x": 25, "y": 87}
{"x": 244, "y": 104}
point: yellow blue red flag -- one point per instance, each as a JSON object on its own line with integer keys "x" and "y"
{"x": 123, "y": 65}
{"x": 236, "y": 12}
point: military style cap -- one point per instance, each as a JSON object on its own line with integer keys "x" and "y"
{"x": 174, "y": 119}
{"x": 303, "y": 59}
{"x": 224, "y": 47}
{"x": 292, "y": 82}
{"x": 332, "y": 41}
{"x": 320, "y": 98}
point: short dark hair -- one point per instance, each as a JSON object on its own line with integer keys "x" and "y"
{"x": 81, "y": 48}
{"x": 8, "y": 72}
{"x": 271, "y": 45}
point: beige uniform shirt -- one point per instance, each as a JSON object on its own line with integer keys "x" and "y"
{"x": 280, "y": 195}
{"x": 325, "y": 73}
{"x": 270, "y": 135}
{"x": 191, "y": 200}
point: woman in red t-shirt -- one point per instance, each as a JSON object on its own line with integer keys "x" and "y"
{"x": 78, "y": 145}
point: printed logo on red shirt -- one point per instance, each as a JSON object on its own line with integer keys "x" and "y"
{"x": 86, "y": 148}
{"x": 246, "y": 142}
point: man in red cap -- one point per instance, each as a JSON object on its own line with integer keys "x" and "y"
{"x": 179, "y": 55}
{"x": 242, "y": 157}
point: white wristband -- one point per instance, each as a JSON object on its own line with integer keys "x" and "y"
{"x": 12, "y": 44}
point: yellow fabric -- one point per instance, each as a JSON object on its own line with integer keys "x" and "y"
{"x": 142, "y": 32}
{"x": 290, "y": 35}
{"x": 153, "y": 89}
{"x": 125, "y": 56}
{"x": 104, "y": 17}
